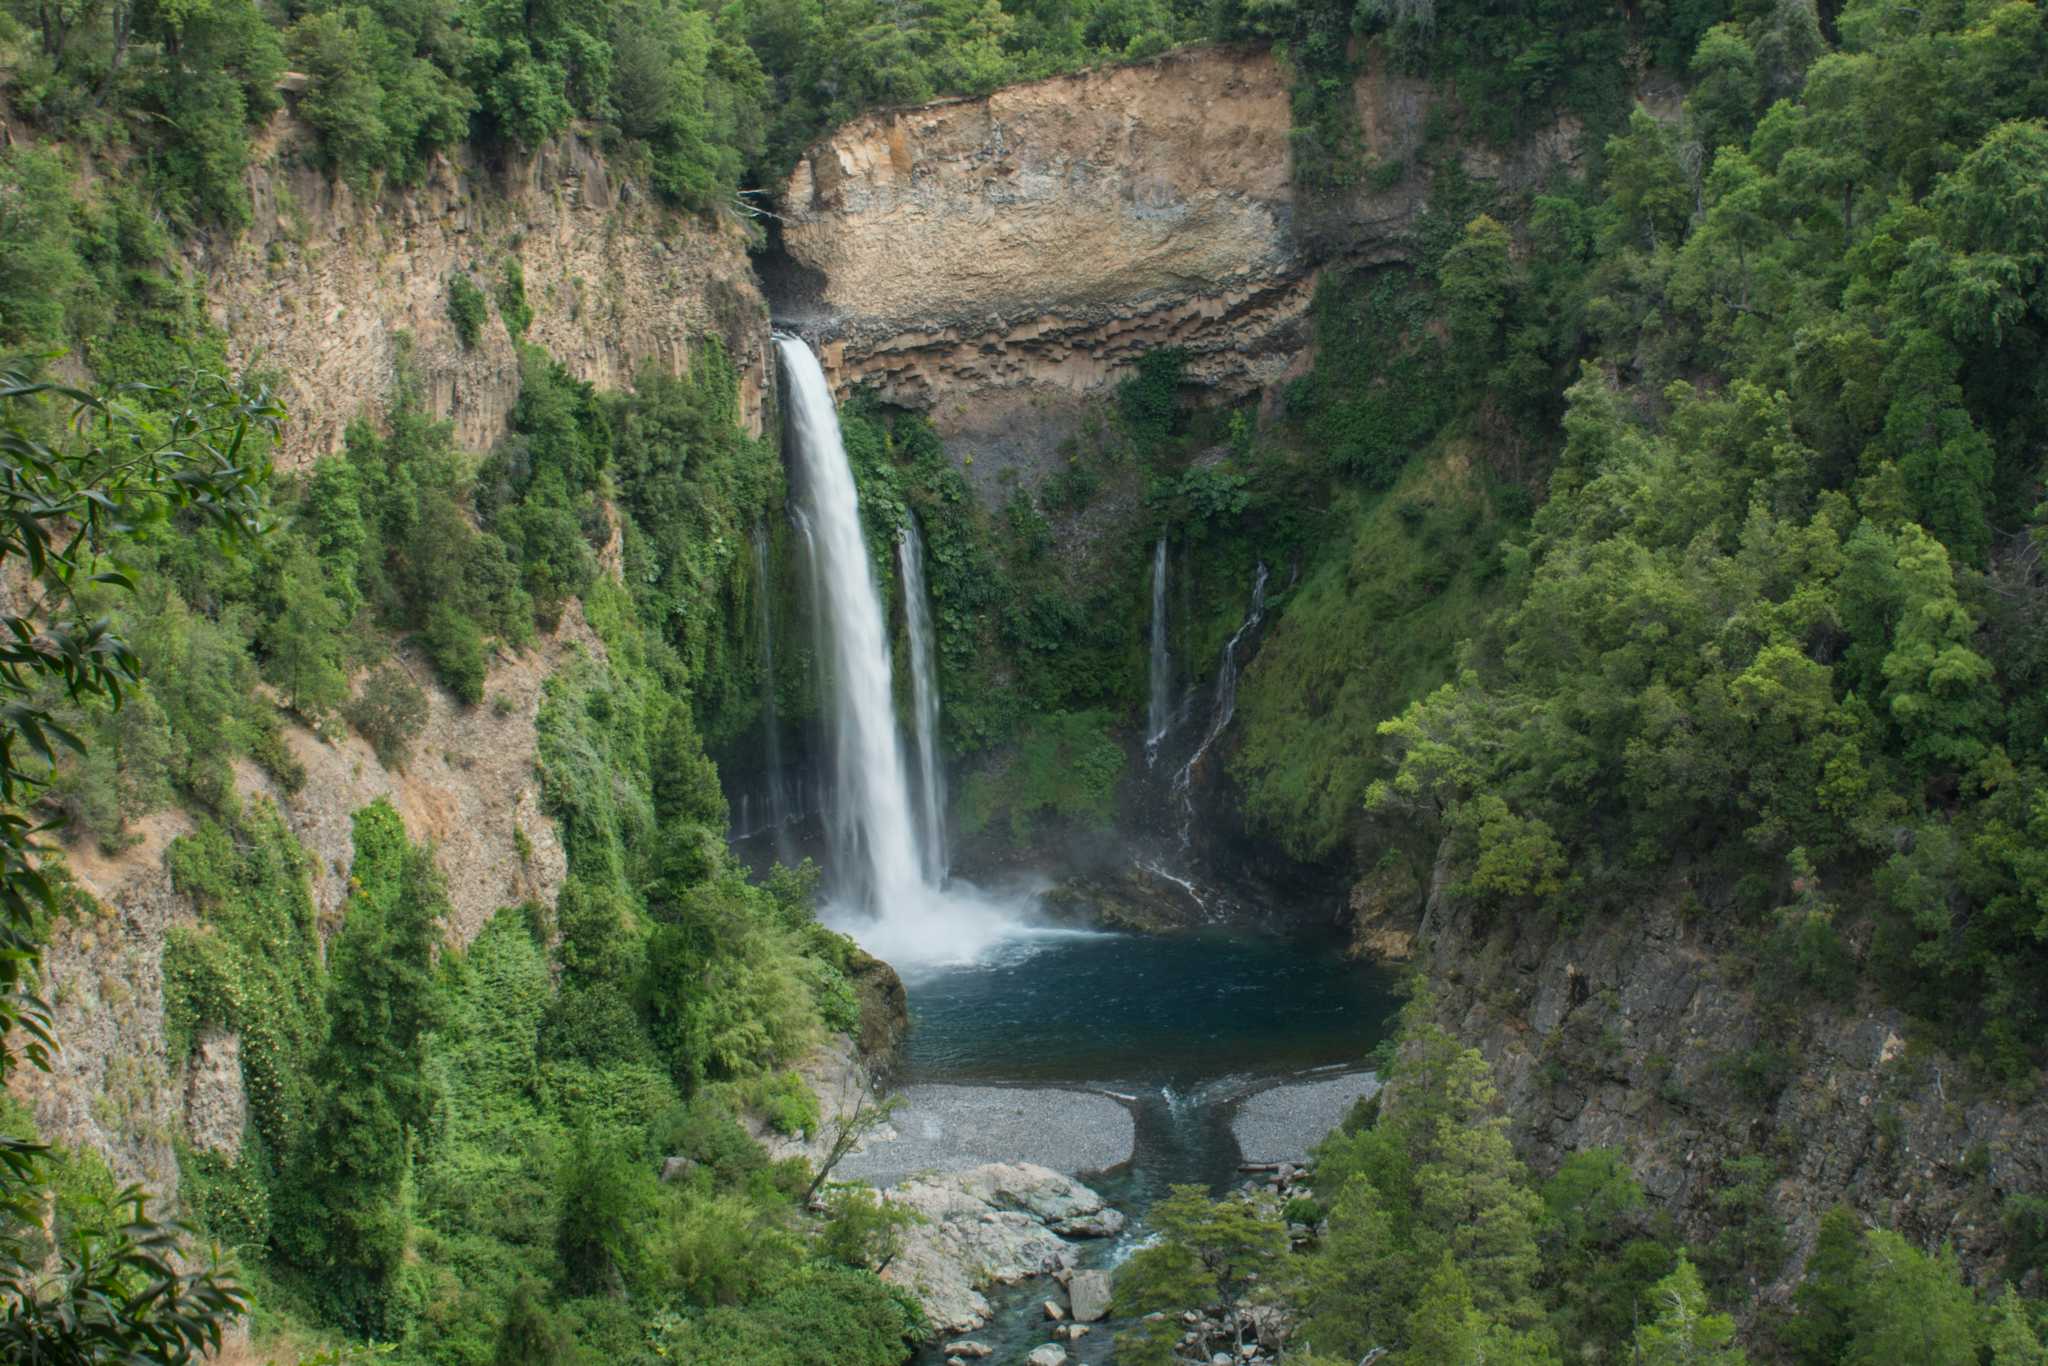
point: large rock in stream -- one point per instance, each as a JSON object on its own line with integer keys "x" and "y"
{"x": 993, "y": 1224}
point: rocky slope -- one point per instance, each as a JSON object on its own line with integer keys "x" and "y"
{"x": 469, "y": 789}
{"x": 991, "y": 259}
{"x": 322, "y": 285}
{"x": 1647, "y": 1037}
{"x": 320, "y": 290}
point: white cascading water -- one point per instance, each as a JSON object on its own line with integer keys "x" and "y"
{"x": 881, "y": 894}
{"x": 1159, "y": 714}
{"x": 924, "y": 701}
{"x": 1224, "y": 709}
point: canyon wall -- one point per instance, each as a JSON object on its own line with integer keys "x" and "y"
{"x": 992, "y": 260}
{"x": 324, "y": 282}
{"x": 1649, "y": 1034}
{"x": 470, "y": 791}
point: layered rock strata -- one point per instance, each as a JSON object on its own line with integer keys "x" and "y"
{"x": 1043, "y": 237}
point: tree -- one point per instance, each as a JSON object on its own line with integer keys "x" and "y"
{"x": 1477, "y": 278}
{"x": 74, "y": 483}
{"x": 1685, "y": 1332}
{"x": 2012, "y": 1339}
{"x": 607, "y": 1200}
{"x": 302, "y": 643}
{"x": 373, "y": 1092}
{"x": 1647, "y": 183}
{"x": 1911, "y": 1307}
{"x": 1726, "y": 87}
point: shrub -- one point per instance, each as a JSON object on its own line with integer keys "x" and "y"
{"x": 455, "y": 644}
{"x": 390, "y": 711}
{"x": 785, "y": 1101}
{"x": 512, "y": 305}
{"x": 466, "y": 309}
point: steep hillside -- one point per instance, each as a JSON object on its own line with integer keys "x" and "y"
{"x": 325, "y": 280}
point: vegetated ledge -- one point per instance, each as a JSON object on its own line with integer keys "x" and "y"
{"x": 1041, "y": 238}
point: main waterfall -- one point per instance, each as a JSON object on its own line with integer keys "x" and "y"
{"x": 886, "y": 890}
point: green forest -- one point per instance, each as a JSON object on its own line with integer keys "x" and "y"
{"x": 1675, "y": 527}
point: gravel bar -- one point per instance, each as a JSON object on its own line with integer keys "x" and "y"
{"x": 1281, "y": 1123}
{"x": 953, "y": 1128}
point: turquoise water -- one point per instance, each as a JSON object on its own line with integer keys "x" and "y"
{"x": 1136, "y": 1012}
{"x": 1185, "y": 1025}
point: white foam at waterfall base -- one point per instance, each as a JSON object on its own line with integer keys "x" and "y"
{"x": 957, "y": 925}
{"x": 886, "y": 890}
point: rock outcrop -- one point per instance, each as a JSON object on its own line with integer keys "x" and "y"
{"x": 1026, "y": 247}
{"x": 469, "y": 790}
{"x": 989, "y": 1225}
{"x": 1640, "y": 1034}
{"x": 325, "y": 281}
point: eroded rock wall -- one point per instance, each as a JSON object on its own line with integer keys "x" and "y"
{"x": 1647, "y": 1034}
{"x": 325, "y": 280}
{"x": 989, "y": 259}
{"x": 469, "y": 790}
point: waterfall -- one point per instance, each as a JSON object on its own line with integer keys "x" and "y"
{"x": 1224, "y": 708}
{"x": 1159, "y": 715}
{"x": 924, "y": 697}
{"x": 771, "y": 728}
{"x": 874, "y": 849}
{"x": 883, "y": 890}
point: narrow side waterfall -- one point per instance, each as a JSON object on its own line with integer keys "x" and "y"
{"x": 883, "y": 892}
{"x": 924, "y": 698}
{"x": 1224, "y": 708}
{"x": 771, "y": 726}
{"x": 1159, "y": 713}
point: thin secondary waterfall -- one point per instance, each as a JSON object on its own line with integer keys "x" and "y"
{"x": 924, "y": 698}
{"x": 771, "y": 728}
{"x": 874, "y": 848}
{"x": 1159, "y": 714}
{"x": 1224, "y": 708}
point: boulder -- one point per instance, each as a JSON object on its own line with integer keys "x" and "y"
{"x": 1054, "y": 1312}
{"x": 1049, "y": 1355}
{"x": 967, "y": 1347}
{"x": 961, "y": 1247}
{"x": 1104, "y": 1223}
{"x": 1088, "y": 1294}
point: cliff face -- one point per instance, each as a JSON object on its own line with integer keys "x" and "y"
{"x": 322, "y": 284}
{"x": 995, "y": 257}
{"x": 1643, "y": 1035}
{"x": 469, "y": 790}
